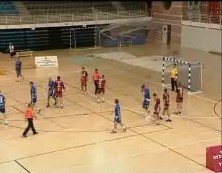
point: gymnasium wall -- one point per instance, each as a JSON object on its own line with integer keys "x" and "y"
{"x": 172, "y": 17}
{"x": 201, "y": 38}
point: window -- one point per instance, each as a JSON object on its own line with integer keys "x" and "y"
{"x": 194, "y": 5}
{"x": 167, "y": 4}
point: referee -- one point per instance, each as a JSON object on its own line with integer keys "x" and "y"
{"x": 173, "y": 76}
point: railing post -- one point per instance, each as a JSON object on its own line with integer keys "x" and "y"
{"x": 96, "y": 16}
{"x": 118, "y": 14}
{"x": 129, "y": 14}
{"x": 47, "y": 18}
{"x": 84, "y": 17}
{"x": 6, "y": 20}
{"x": 60, "y": 18}
{"x": 140, "y": 14}
{"x": 220, "y": 20}
{"x": 209, "y": 21}
{"x": 107, "y": 15}
{"x": 72, "y": 17}
{"x": 199, "y": 18}
{"x": 20, "y": 19}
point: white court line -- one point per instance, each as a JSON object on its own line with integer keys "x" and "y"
{"x": 175, "y": 147}
{"x": 204, "y": 98}
{"x": 38, "y": 76}
{"x": 149, "y": 81}
{"x": 142, "y": 113}
{"x": 148, "y": 152}
{"x": 200, "y": 117}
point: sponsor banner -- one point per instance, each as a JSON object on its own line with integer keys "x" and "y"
{"x": 46, "y": 61}
{"x": 214, "y": 158}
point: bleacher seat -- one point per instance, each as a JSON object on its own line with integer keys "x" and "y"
{"x": 7, "y": 8}
{"x": 59, "y": 7}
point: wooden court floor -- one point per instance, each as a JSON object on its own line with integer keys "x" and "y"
{"x": 77, "y": 139}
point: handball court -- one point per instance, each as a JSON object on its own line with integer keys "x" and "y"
{"x": 77, "y": 138}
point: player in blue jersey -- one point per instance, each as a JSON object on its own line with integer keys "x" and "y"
{"x": 2, "y": 107}
{"x": 51, "y": 91}
{"x": 117, "y": 117}
{"x": 146, "y": 101}
{"x": 18, "y": 68}
{"x": 33, "y": 92}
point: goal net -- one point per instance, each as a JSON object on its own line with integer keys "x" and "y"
{"x": 27, "y": 59}
{"x": 189, "y": 74}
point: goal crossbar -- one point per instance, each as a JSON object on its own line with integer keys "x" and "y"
{"x": 29, "y": 61}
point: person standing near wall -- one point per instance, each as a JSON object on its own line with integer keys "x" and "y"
{"x": 173, "y": 77}
{"x": 96, "y": 77}
{"x": 11, "y": 49}
{"x": 18, "y": 68}
{"x": 83, "y": 80}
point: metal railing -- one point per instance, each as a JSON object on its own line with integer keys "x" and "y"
{"x": 202, "y": 18}
{"x": 74, "y": 17}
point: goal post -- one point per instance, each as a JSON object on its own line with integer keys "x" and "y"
{"x": 27, "y": 58}
{"x": 189, "y": 74}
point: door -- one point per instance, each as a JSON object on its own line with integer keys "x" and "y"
{"x": 84, "y": 37}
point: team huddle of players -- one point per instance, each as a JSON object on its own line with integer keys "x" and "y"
{"x": 166, "y": 103}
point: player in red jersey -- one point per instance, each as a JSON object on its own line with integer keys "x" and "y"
{"x": 83, "y": 80}
{"x": 166, "y": 104}
{"x": 101, "y": 88}
{"x": 179, "y": 98}
{"x": 96, "y": 77}
{"x": 59, "y": 87}
{"x": 156, "y": 108}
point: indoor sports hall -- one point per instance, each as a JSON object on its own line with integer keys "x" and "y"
{"x": 131, "y": 44}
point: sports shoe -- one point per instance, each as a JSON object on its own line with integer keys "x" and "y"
{"x": 168, "y": 120}
{"x": 6, "y": 122}
{"x": 35, "y": 133}
{"x": 24, "y": 136}
{"x": 47, "y": 105}
{"x": 113, "y": 131}
{"x": 161, "y": 118}
{"x": 124, "y": 130}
